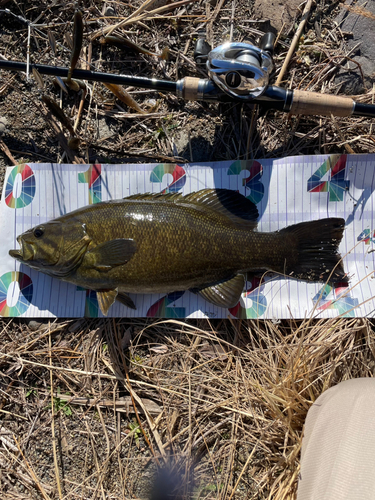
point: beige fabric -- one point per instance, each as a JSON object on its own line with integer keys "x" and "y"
{"x": 338, "y": 448}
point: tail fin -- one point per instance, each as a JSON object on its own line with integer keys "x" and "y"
{"x": 317, "y": 250}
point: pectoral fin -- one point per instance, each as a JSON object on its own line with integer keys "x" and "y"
{"x": 111, "y": 254}
{"x": 226, "y": 294}
{"x": 105, "y": 299}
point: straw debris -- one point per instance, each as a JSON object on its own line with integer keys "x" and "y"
{"x": 223, "y": 402}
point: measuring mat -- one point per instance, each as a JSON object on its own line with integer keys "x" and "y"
{"x": 286, "y": 191}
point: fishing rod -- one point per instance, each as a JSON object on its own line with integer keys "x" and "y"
{"x": 237, "y": 72}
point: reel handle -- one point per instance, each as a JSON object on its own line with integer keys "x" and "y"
{"x": 267, "y": 42}
{"x": 201, "y": 50}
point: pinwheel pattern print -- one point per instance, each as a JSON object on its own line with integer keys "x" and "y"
{"x": 161, "y": 307}
{"x": 367, "y": 236}
{"x": 178, "y": 176}
{"x": 92, "y": 177}
{"x": 337, "y": 298}
{"x": 253, "y": 181}
{"x": 20, "y": 287}
{"x": 336, "y": 185}
{"x": 20, "y": 187}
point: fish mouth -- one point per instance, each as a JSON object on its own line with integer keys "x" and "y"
{"x": 25, "y": 253}
{"x": 16, "y": 254}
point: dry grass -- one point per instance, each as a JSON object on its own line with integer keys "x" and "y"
{"x": 356, "y": 9}
{"x": 89, "y": 409}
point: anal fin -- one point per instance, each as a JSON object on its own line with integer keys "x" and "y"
{"x": 105, "y": 299}
{"x": 225, "y": 294}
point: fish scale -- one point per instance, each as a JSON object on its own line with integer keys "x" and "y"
{"x": 176, "y": 243}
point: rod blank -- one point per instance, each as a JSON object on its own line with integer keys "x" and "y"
{"x": 96, "y": 76}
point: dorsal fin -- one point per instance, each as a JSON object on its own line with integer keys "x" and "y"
{"x": 234, "y": 206}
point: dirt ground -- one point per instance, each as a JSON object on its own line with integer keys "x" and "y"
{"x": 91, "y": 408}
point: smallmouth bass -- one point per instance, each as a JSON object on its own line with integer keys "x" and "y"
{"x": 204, "y": 242}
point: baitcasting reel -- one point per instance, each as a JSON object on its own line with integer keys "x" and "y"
{"x": 242, "y": 70}
{"x": 239, "y": 71}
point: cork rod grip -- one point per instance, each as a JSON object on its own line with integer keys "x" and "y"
{"x": 312, "y": 103}
{"x": 190, "y": 92}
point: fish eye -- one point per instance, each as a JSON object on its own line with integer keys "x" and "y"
{"x": 38, "y": 232}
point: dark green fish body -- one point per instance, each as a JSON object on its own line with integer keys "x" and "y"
{"x": 205, "y": 242}
{"x": 170, "y": 247}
